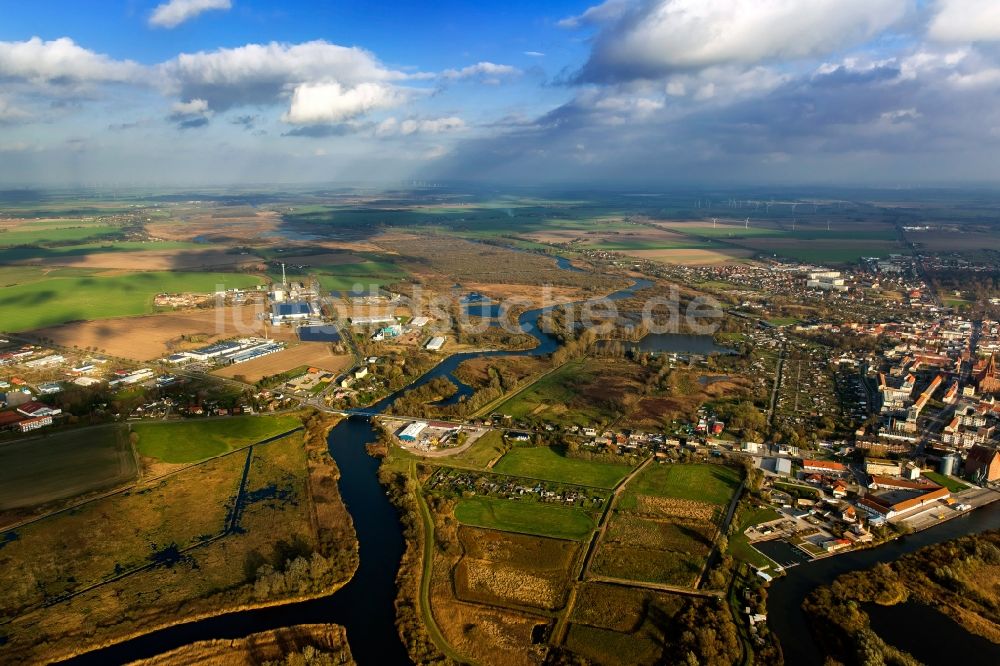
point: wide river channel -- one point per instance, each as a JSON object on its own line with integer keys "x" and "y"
{"x": 365, "y": 606}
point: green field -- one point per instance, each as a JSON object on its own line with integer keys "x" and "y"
{"x": 739, "y": 545}
{"x": 66, "y": 231}
{"x": 194, "y": 440}
{"x": 543, "y": 462}
{"x": 57, "y": 300}
{"x": 481, "y": 453}
{"x": 954, "y": 485}
{"x": 62, "y": 465}
{"x": 714, "y": 484}
{"x": 525, "y": 517}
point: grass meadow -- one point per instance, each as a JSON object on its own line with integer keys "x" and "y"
{"x": 194, "y": 440}
{"x": 525, "y": 517}
{"x": 57, "y": 300}
{"x": 544, "y": 462}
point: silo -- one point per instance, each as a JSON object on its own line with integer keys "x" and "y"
{"x": 947, "y": 464}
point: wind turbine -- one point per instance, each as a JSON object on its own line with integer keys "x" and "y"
{"x": 793, "y": 224}
{"x": 715, "y": 222}
{"x": 828, "y": 225}
{"x": 746, "y": 224}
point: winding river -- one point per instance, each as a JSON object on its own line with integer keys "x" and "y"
{"x": 365, "y": 606}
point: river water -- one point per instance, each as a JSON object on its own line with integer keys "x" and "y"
{"x": 784, "y": 600}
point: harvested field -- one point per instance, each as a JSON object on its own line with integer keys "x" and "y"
{"x": 493, "y": 583}
{"x": 632, "y": 562}
{"x": 694, "y": 256}
{"x": 151, "y": 260}
{"x": 840, "y": 251}
{"x": 666, "y": 507}
{"x": 967, "y": 240}
{"x": 327, "y": 641}
{"x": 680, "y": 535}
{"x": 155, "y": 336}
{"x": 486, "y": 635}
{"x": 312, "y": 354}
{"x": 46, "y": 469}
{"x": 222, "y": 224}
{"x": 618, "y": 608}
{"x": 610, "y": 647}
{"x": 501, "y": 568}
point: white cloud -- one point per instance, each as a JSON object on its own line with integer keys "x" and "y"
{"x": 171, "y": 14}
{"x": 11, "y": 113}
{"x": 900, "y": 115}
{"x": 392, "y": 126}
{"x": 328, "y": 103}
{"x": 487, "y": 70}
{"x": 534, "y": 54}
{"x": 651, "y": 38}
{"x": 966, "y": 21}
{"x": 195, "y": 106}
{"x": 193, "y": 113}
{"x": 62, "y": 61}
{"x": 262, "y": 73}
{"x": 609, "y": 10}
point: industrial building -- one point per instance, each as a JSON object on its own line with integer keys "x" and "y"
{"x": 434, "y": 343}
{"x": 290, "y": 312}
{"x": 369, "y": 320}
{"x": 412, "y": 431}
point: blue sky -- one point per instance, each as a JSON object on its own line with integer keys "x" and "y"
{"x": 185, "y": 92}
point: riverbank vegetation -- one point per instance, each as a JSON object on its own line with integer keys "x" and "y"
{"x": 258, "y": 526}
{"x": 411, "y": 608}
{"x": 948, "y": 576}
{"x": 301, "y": 645}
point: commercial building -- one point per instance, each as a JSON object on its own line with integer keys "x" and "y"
{"x": 881, "y": 466}
{"x": 412, "y": 431}
{"x": 434, "y": 343}
{"x": 27, "y": 425}
{"x": 885, "y": 507}
{"x": 823, "y": 467}
{"x": 213, "y": 351}
{"x": 33, "y": 409}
